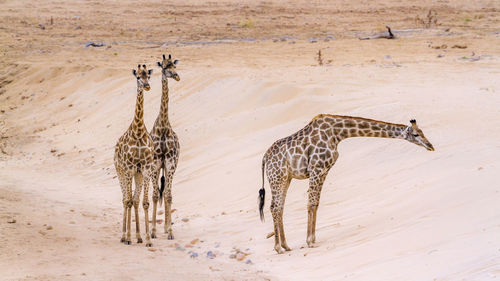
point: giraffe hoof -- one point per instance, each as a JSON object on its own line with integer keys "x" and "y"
{"x": 127, "y": 242}
{"x": 122, "y": 240}
{"x": 153, "y": 235}
{"x": 170, "y": 237}
{"x": 139, "y": 240}
{"x": 279, "y": 250}
{"x": 149, "y": 244}
{"x": 286, "y": 248}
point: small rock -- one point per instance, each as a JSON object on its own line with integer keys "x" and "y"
{"x": 210, "y": 255}
{"x": 387, "y": 57}
{"x": 11, "y": 221}
{"x": 180, "y": 248}
{"x": 232, "y": 256}
{"x": 240, "y": 256}
{"x": 49, "y": 227}
{"x": 440, "y": 56}
{"x": 185, "y": 219}
{"x": 194, "y": 241}
{"x": 194, "y": 255}
{"x": 42, "y": 232}
{"x": 72, "y": 222}
{"x": 152, "y": 249}
{"x": 248, "y": 261}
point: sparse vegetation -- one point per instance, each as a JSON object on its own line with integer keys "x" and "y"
{"x": 248, "y": 23}
{"x": 429, "y": 21}
{"x": 320, "y": 58}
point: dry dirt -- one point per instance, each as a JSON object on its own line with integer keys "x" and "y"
{"x": 250, "y": 75}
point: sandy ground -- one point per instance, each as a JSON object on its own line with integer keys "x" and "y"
{"x": 249, "y": 75}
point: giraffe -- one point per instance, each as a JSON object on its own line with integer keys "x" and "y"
{"x": 166, "y": 154}
{"x": 310, "y": 153}
{"x": 134, "y": 160}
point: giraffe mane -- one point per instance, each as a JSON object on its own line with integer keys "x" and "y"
{"x": 353, "y": 117}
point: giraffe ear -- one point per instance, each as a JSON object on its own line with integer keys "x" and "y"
{"x": 134, "y": 72}
{"x": 169, "y": 56}
{"x": 176, "y": 62}
{"x": 159, "y": 64}
{"x": 163, "y": 56}
{"x": 150, "y": 72}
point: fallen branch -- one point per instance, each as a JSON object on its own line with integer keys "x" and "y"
{"x": 92, "y": 44}
{"x": 388, "y": 35}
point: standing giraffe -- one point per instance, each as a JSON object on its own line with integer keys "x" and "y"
{"x": 134, "y": 159}
{"x": 310, "y": 153}
{"x": 166, "y": 152}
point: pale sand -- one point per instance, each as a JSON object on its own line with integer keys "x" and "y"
{"x": 389, "y": 210}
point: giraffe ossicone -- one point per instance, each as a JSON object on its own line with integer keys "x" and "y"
{"x": 310, "y": 153}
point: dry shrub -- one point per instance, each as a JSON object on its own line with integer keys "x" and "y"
{"x": 429, "y": 21}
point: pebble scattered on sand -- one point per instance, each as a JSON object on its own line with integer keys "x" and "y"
{"x": 210, "y": 255}
{"x": 194, "y": 255}
{"x": 11, "y": 221}
{"x": 248, "y": 261}
{"x": 49, "y": 227}
{"x": 185, "y": 219}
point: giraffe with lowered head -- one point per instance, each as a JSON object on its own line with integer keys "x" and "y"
{"x": 310, "y": 153}
{"x": 166, "y": 154}
{"x": 134, "y": 160}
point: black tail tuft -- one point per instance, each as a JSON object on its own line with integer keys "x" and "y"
{"x": 262, "y": 196}
{"x": 162, "y": 187}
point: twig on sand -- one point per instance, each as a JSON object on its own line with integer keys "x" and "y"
{"x": 388, "y": 35}
{"x": 269, "y": 235}
{"x": 93, "y": 44}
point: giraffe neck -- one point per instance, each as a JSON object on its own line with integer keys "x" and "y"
{"x": 138, "y": 123}
{"x": 163, "y": 116}
{"x": 351, "y": 127}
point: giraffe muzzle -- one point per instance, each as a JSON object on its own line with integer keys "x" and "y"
{"x": 146, "y": 87}
{"x": 176, "y": 77}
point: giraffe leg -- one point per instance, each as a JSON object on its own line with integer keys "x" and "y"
{"x": 168, "y": 200}
{"x": 124, "y": 201}
{"x": 276, "y": 217}
{"x": 145, "y": 205}
{"x": 315, "y": 184}
{"x": 284, "y": 245}
{"x": 129, "y": 202}
{"x": 136, "y": 200}
{"x": 168, "y": 208}
{"x": 156, "y": 175}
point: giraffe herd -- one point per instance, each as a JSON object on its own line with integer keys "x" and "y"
{"x": 307, "y": 154}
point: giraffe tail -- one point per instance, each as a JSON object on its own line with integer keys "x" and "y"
{"x": 162, "y": 186}
{"x": 262, "y": 192}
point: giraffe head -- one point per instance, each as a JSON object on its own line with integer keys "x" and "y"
{"x": 414, "y": 135}
{"x": 142, "y": 75}
{"x": 168, "y": 68}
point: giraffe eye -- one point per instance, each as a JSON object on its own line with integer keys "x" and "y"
{"x": 415, "y": 135}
